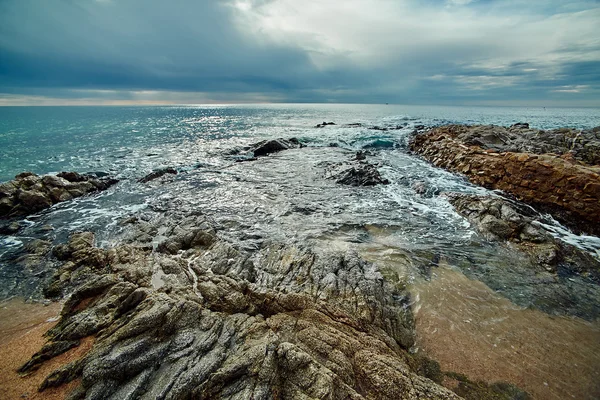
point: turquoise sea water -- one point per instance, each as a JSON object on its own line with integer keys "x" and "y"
{"x": 118, "y": 139}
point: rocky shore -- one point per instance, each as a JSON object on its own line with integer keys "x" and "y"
{"x": 173, "y": 309}
{"x": 556, "y": 171}
{"x": 176, "y": 311}
{"x": 199, "y": 318}
{"x": 29, "y": 193}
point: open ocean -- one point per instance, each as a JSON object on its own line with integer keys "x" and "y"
{"x": 284, "y": 197}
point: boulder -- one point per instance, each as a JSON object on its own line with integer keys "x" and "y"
{"x": 355, "y": 172}
{"x": 72, "y": 176}
{"x": 267, "y": 147}
{"x": 29, "y": 193}
{"x": 33, "y": 200}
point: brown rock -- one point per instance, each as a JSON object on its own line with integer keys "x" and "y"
{"x": 538, "y": 179}
{"x": 33, "y": 200}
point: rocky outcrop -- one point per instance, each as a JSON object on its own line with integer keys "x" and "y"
{"x": 536, "y": 268}
{"x": 356, "y": 172}
{"x": 503, "y": 220}
{"x": 324, "y": 124}
{"x": 266, "y": 147}
{"x": 198, "y": 318}
{"x": 29, "y": 193}
{"x": 157, "y": 174}
{"x": 581, "y": 145}
{"x": 564, "y": 186}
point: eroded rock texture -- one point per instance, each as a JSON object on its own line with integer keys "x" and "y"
{"x": 355, "y": 172}
{"x": 567, "y": 186}
{"x": 500, "y": 219}
{"x": 198, "y": 318}
{"x": 29, "y": 193}
{"x": 582, "y": 145}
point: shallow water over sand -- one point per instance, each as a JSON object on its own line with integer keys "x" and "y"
{"x": 470, "y": 329}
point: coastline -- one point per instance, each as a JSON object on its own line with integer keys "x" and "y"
{"x": 178, "y": 264}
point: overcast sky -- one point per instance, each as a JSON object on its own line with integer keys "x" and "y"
{"x": 505, "y": 52}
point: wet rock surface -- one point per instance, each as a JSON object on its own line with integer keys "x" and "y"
{"x": 544, "y": 279}
{"x": 499, "y": 219}
{"x": 266, "y": 147}
{"x": 199, "y": 318}
{"x": 516, "y": 160}
{"x": 29, "y": 193}
{"x": 355, "y": 172}
{"x": 157, "y": 174}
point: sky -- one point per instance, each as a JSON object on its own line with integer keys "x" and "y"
{"x": 463, "y": 52}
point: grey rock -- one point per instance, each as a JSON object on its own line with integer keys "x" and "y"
{"x": 157, "y": 174}
{"x": 356, "y": 172}
{"x": 273, "y": 146}
{"x": 282, "y": 322}
{"x": 519, "y": 229}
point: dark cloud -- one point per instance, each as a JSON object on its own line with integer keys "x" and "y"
{"x": 70, "y": 48}
{"x": 138, "y": 44}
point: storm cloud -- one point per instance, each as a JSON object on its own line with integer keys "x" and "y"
{"x": 187, "y": 51}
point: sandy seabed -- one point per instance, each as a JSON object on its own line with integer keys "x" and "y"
{"x": 22, "y": 328}
{"x": 469, "y": 329}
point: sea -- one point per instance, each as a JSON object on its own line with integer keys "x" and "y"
{"x": 475, "y": 312}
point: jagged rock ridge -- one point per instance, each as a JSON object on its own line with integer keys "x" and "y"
{"x": 198, "y": 318}
{"x": 564, "y": 186}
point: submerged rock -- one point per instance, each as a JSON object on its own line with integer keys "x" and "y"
{"x": 356, "y": 172}
{"x": 213, "y": 321}
{"x": 563, "y": 186}
{"x": 157, "y": 174}
{"x": 500, "y": 219}
{"x": 548, "y": 267}
{"x": 29, "y": 193}
{"x": 324, "y": 124}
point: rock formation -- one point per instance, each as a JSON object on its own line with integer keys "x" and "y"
{"x": 157, "y": 174}
{"x": 356, "y": 172}
{"x": 516, "y": 160}
{"x": 29, "y": 193}
{"x": 264, "y": 148}
{"x": 198, "y": 318}
{"x": 500, "y": 219}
